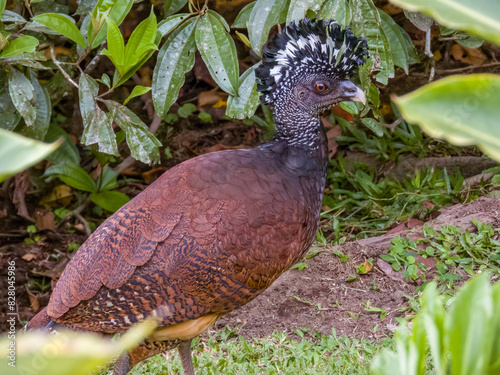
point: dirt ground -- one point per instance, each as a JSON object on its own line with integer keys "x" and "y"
{"x": 318, "y": 297}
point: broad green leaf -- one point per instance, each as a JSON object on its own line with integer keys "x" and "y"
{"x": 467, "y": 324}
{"x": 63, "y": 24}
{"x": 118, "y": 10}
{"x": 2, "y": 6}
{"x": 175, "y": 59}
{"x": 97, "y": 125}
{"x": 72, "y": 175}
{"x": 218, "y": 52}
{"x": 397, "y": 42}
{"x": 337, "y": 10}
{"x": 366, "y": 22}
{"x": 87, "y": 91}
{"x": 265, "y": 14}
{"x": 141, "y": 41}
{"x": 25, "y": 43}
{"x": 461, "y": 109}
{"x": 108, "y": 179}
{"x": 43, "y": 109}
{"x": 21, "y": 92}
{"x": 110, "y": 200}
{"x": 8, "y": 113}
{"x": 143, "y": 145}
{"x": 67, "y": 151}
{"x": 243, "y": 17}
{"x": 495, "y": 331}
{"x": 470, "y": 42}
{"x": 220, "y": 19}
{"x": 172, "y": 6}
{"x": 9, "y": 16}
{"x": 116, "y": 47}
{"x": 298, "y": 8}
{"x": 18, "y": 153}
{"x": 85, "y": 7}
{"x": 170, "y": 23}
{"x": 137, "y": 91}
{"x": 244, "y": 105}
{"x": 480, "y": 17}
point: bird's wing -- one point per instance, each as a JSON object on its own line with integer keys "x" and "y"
{"x": 228, "y": 230}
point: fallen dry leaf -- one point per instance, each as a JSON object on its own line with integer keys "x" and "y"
{"x": 471, "y": 56}
{"x": 60, "y": 195}
{"x": 208, "y": 98}
{"x": 332, "y": 143}
{"x": 44, "y": 220}
{"x": 29, "y": 257}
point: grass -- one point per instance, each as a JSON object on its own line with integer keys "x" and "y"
{"x": 225, "y": 353}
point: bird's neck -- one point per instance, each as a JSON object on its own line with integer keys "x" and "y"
{"x": 299, "y": 128}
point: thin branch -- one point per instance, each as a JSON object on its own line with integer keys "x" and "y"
{"x": 75, "y": 212}
{"x": 66, "y": 75}
{"x": 95, "y": 60}
{"x": 429, "y": 53}
{"x": 464, "y": 69}
{"x": 393, "y": 125}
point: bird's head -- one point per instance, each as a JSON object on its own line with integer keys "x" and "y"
{"x": 309, "y": 64}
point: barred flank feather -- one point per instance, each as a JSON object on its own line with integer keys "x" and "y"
{"x": 319, "y": 47}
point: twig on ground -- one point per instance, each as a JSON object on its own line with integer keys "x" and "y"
{"x": 66, "y": 75}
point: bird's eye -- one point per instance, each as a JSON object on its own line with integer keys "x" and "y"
{"x": 320, "y": 87}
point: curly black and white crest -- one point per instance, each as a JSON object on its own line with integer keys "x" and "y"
{"x": 309, "y": 47}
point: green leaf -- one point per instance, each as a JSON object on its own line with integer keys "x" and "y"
{"x": 218, "y": 52}
{"x": 470, "y": 42}
{"x": 116, "y": 47}
{"x": 244, "y": 105}
{"x": 471, "y": 313}
{"x": 298, "y": 8}
{"x": 63, "y": 24}
{"x": 137, "y": 91}
{"x": 461, "y": 109}
{"x": 118, "y": 10}
{"x": 172, "y": 6}
{"x": 43, "y": 109}
{"x": 67, "y": 151}
{"x": 21, "y": 92}
{"x": 186, "y": 110}
{"x": 2, "y": 6}
{"x": 175, "y": 59}
{"x": 25, "y": 43}
{"x": 143, "y": 145}
{"x": 397, "y": 42}
{"x": 72, "y": 175}
{"x": 18, "y": 153}
{"x": 110, "y": 200}
{"x": 366, "y": 22}
{"x": 265, "y": 14}
{"x": 9, "y": 16}
{"x": 8, "y": 113}
{"x": 97, "y": 125}
{"x": 337, "y": 10}
{"x": 243, "y": 17}
{"x": 170, "y": 23}
{"x": 373, "y": 125}
{"x": 141, "y": 41}
{"x": 480, "y": 17}
{"x": 87, "y": 91}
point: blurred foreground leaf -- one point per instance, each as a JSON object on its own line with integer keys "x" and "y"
{"x": 461, "y": 109}
{"x": 18, "y": 153}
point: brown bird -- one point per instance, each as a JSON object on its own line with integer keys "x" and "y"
{"x": 214, "y": 232}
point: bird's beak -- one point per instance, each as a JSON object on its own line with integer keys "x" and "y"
{"x": 350, "y": 92}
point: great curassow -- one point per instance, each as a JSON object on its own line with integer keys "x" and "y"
{"x": 214, "y": 232}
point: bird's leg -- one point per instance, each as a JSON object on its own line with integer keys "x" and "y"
{"x": 122, "y": 365}
{"x": 185, "y": 354}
